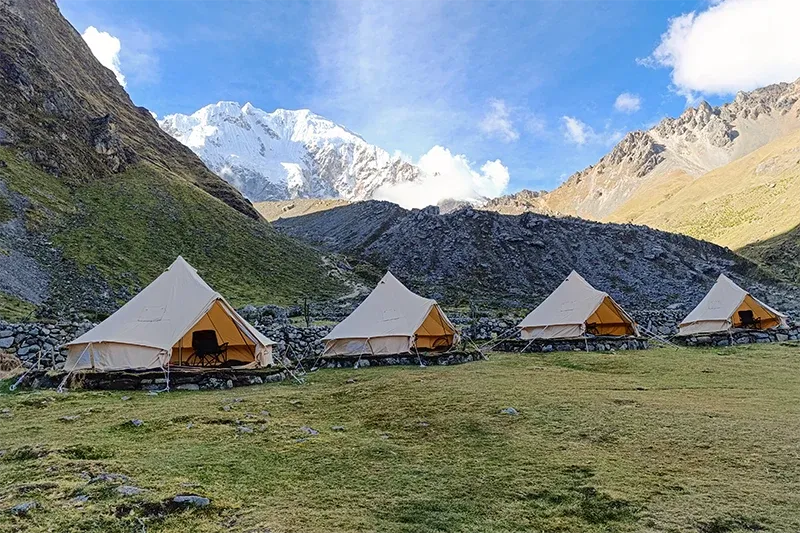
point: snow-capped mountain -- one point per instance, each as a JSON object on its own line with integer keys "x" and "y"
{"x": 286, "y": 154}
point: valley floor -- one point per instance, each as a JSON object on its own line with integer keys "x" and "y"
{"x": 662, "y": 440}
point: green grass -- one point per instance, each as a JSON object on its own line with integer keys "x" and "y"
{"x": 49, "y": 198}
{"x": 664, "y": 440}
{"x": 13, "y": 309}
{"x": 6, "y": 211}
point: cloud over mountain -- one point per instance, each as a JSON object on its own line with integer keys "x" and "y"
{"x": 732, "y": 46}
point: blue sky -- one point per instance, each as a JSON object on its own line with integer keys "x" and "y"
{"x": 533, "y": 84}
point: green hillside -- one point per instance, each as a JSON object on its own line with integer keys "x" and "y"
{"x": 131, "y": 226}
{"x": 96, "y": 200}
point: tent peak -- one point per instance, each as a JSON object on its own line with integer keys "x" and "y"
{"x": 389, "y": 277}
{"x": 182, "y": 263}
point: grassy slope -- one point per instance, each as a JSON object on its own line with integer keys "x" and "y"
{"x": 780, "y": 253}
{"x": 131, "y": 226}
{"x": 139, "y": 222}
{"x": 295, "y": 208}
{"x": 753, "y": 199}
{"x": 663, "y": 440}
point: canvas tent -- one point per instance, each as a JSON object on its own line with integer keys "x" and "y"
{"x": 155, "y": 327}
{"x": 729, "y": 306}
{"x": 574, "y": 309}
{"x": 392, "y": 319}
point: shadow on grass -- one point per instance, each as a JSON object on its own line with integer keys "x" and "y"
{"x": 730, "y": 524}
{"x": 574, "y": 497}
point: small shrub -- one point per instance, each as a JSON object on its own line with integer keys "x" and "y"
{"x": 86, "y": 452}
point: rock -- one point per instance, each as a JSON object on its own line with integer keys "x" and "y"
{"x": 191, "y": 500}
{"x": 188, "y": 387}
{"x": 70, "y": 418}
{"x": 337, "y": 428}
{"x": 129, "y": 490}
{"x": 125, "y": 398}
{"x": 309, "y": 430}
{"x": 5, "y": 343}
{"x": 244, "y": 429}
{"x": 509, "y": 411}
{"x": 264, "y": 413}
{"x": 226, "y": 407}
{"x": 136, "y": 422}
{"x": 109, "y": 477}
{"x": 24, "y": 508}
{"x": 80, "y": 499}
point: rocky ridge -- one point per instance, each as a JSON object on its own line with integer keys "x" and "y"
{"x": 674, "y": 152}
{"x": 515, "y": 261}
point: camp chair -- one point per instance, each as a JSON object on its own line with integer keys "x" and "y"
{"x": 748, "y": 320}
{"x": 207, "y": 351}
{"x": 593, "y": 329}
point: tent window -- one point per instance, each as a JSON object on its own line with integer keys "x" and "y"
{"x": 152, "y": 314}
{"x": 567, "y": 307}
{"x": 715, "y": 304}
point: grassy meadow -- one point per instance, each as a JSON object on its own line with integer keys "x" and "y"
{"x": 664, "y": 440}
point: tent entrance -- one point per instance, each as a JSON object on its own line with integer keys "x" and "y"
{"x": 752, "y": 315}
{"x": 435, "y": 332}
{"x": 240, "y": 349}
{"x": 609, "y": 320}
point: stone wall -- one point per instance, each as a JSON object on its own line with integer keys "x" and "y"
{"x": 597, "y": 344}
{"x": 424, "y": 358}
{"x": 38, "y": 343}
{"x": 736, "y": 337}
{"x": 295, "y": 342}
{"x": 187, "y": 380}
{"x": 662, "y": 322}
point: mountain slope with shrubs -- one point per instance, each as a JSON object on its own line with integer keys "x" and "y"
{"x": 96, "y": 200}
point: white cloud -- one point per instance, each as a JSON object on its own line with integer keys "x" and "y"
{"x": 447, "y": 176}
{"x": 628, "y": 103}
{"x": 105, "y": 48}
{"x": 497, "y": 122}
{"x": 154, "y": 114}
{"x": 578, "y": 132}
{"x": 731, "y": 46}
{"x": 575, "y": 131}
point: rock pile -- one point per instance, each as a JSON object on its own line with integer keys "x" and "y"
{"x": 39, "y": 343}
{"x": 598, "y": 344}
{"x": 513, "y": 262}
{"x": 735, "y": 337}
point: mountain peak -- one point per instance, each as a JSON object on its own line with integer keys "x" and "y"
{"x": 286, "y": 153}
{"x": 681, "y": 149}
